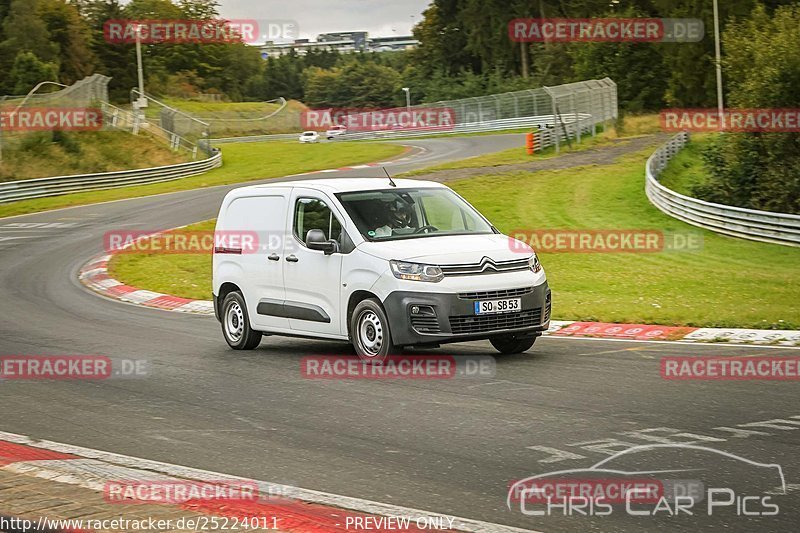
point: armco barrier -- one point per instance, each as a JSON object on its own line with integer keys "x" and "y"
{"x": 40, "y": 187}
{"x": 256, "y": 138}
{"x": 779, "y": 228}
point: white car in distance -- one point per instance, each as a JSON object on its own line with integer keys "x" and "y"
{"x": 335, "y": 131}
{"x": 309, "y": 137}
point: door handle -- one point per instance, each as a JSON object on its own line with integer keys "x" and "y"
{"x": 273, "y": 257}
{"x": 292, "y": 258}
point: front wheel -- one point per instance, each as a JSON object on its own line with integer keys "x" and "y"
{"x": 510, "y": 344}
{"x": 236, "y": 324}
{"x": 369, "y": 331}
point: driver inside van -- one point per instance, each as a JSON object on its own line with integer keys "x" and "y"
{"x": 398, "y": 216}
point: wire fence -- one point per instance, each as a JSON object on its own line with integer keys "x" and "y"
{"x": 573, "y": 109}
{"x": 84, "y": 94}
{"x": 252, "y": 118}
{"x": 90, "y": 93}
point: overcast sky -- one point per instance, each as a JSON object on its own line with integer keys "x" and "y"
{"x": 381, "y": 18}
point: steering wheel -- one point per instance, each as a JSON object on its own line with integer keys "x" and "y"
{"x": 427, "y": 227}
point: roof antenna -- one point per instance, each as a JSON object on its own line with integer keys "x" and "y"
{"x": 391, "y": 182}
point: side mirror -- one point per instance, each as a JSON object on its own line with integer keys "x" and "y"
{"x": 315, "y": 240}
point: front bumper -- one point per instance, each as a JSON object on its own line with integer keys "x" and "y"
{"x": 450, "y": 317}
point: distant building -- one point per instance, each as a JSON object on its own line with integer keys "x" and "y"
{"x": 343, "y": 42}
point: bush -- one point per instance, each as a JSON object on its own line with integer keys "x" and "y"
{"x": 67, "y": 141}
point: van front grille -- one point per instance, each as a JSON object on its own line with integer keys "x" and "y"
{"x": 485, "y": 266}
{"x": 483, "y": 323}
{"x": 425, "y": 324}
{"x": 501, "y": 293}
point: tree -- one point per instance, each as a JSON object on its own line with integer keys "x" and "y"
{"x": 321, "y": 87}
{"x": 72, "y": 35}
{"x": 759, "y": 170}
{"x": 28, "y": 70}
{"x": 24, "y": 31}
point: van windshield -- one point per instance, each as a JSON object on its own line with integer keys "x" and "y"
{"x": 393, "y": 214}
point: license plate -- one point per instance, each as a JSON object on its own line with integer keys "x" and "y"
{"x": 507, "y": 305}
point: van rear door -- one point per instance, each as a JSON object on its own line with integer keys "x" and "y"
{"x": 261, "y": 276}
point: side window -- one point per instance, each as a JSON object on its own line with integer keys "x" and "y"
{"x": 311, "y": 213}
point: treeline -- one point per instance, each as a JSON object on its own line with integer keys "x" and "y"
{"x": 465, "y": 47}
{"x": 60, "y": 40}
{"x": 464, "y": 51}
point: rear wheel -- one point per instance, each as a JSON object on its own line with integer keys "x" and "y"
{"x": 369, "y": 331}
{"x": 509, "y": 344}
{"x": 236, "y": 324}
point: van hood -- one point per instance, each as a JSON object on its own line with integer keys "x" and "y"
{"x": 449, "y": 249}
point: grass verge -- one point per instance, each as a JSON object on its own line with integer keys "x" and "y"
{"x": 46, "y": 153}
{"x": 729, "y": 282}
{"x": 241, "y": 163}
{"x": 687, "y": 170}
{"x": 187, "y": 275}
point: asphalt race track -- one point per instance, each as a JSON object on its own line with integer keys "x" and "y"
{"x": 448, "y": 446}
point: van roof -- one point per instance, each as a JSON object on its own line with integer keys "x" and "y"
{"x": 335, "y": 185}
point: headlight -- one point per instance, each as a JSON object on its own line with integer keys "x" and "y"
{"x": 534, "y": 263}
{"x": 416, "y": 271}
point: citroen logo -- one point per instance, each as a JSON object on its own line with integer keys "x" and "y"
{"x": 488, "y": 264}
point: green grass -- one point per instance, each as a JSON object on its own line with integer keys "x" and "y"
{"x": 241, "y": 163}
{"x": 517, "y": 155}
{"x": 639, "y": 124}
{"x": 39, "y": 155}
{"x": 729, "y": 282}
{"x": 186, "y": 275}
{"x": 686, "y": 169}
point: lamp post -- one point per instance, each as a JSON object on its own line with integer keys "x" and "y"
{"x": 2, "y": 99}
{"x": 408, "y": 98}
{"x": 141, "y": 101}
{"x": 718, "y": 61}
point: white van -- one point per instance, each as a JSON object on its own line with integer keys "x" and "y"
{"x": 382, "y": 264}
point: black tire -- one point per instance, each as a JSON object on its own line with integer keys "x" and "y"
{"x": 510, "y": 344}
{"x": 236, "y": 323}
{"x": 369, "y": 331}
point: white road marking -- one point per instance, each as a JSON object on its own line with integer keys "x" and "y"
{"x": 13, "y": 238}
{"x": 686, "y": 343}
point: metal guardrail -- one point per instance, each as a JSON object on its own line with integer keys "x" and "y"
{"x": 256, "y": 138}
{"x": 12, "y": 191}
{"x": 779, "y": 228}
